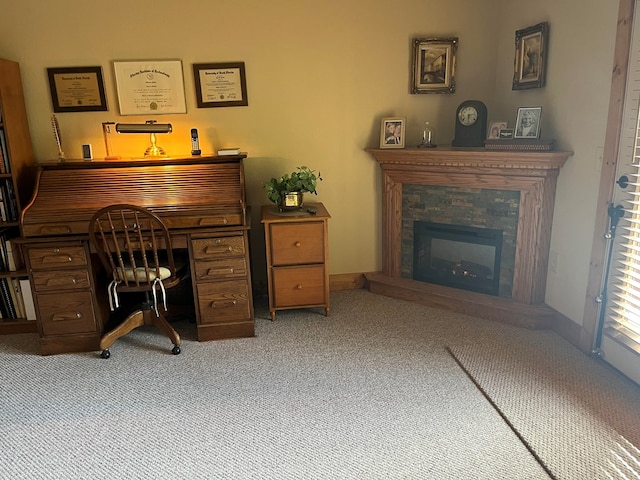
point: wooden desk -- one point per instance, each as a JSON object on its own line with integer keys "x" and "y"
{"x": 202, "y": 201}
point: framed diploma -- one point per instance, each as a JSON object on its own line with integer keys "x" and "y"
{"x": 77, "y": 89}
{"x": 150, "y": 87}
{"x": 220, "y": 84}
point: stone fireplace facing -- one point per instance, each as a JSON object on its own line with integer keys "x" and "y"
{"x": 487, "y": 193}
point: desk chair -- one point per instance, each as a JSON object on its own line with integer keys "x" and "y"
{"x": 128, "y": 239}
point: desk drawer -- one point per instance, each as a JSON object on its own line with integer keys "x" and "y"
{"x": 61, "y": 279}
{"x": 56, "y": 257}
{"x": 220, "y": 269}
{"x": 67, "y": 314}
{"x": 223, "y": 302}
{"x": 297, "y": 243}
{"x": 220, "y": 247}
{"x": 299, "y": 286}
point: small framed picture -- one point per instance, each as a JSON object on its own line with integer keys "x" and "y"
{"x": 531, "y": 57}
{"x": 392, "y": 132}
{"x": 494, "y": 129}
{"x": 505, "y": 133}
{"x": 528, "y": 122}
{"x": 434, "y": 65}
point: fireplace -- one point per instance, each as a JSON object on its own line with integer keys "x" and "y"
{"x": 465, "y": 175}
{"x": 457, "y": 256}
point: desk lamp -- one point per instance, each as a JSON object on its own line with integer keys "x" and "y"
{"x": 150, "y": 126}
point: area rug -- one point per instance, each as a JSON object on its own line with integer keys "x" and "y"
{"x": 576, "y": 416}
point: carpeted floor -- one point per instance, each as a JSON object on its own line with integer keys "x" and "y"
{"x": 371, "y": 392}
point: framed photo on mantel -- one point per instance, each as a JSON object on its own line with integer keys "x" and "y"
{"x": 392, "y": 132}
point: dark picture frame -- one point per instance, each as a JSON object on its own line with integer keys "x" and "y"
{"x": 392, "y": 132}
{"x": 528, "y": 122}
{"x": 220, "y": 84}
{"x": 434, "y": 65}
{"x": 531, "y": 57}
{"x": 77, "y": 89}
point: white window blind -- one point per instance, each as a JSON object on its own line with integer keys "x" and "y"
{"x": 623, "y": 321}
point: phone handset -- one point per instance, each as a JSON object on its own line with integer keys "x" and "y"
{"x": 195, "y": 143}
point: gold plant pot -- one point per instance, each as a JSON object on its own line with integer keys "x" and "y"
{"x": 291, "y": 201}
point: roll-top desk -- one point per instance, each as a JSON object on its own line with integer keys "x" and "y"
{"x": 201, "y": 200}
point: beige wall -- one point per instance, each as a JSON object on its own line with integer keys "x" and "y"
{"x": 320, "y": 75}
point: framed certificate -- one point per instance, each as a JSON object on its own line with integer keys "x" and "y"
{"x": 220, "y": 84}
{"x": 77, "y": 89}
{"x": 150, "y": 87}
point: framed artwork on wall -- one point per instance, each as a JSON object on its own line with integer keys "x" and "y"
{"x": 77, "y": 89}
{"x": 528, "y": 122}
{"x": 531, "y": 57}
{"x": 220, "y": 84}
{"x": 150, "y": 86}
{"x": 392, "y": 132}
{"x": 434, "y": 65}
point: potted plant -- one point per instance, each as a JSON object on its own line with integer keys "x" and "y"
{"x": 287, "y": 190}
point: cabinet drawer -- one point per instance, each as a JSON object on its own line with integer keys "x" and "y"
{"x": 223, "y": 302}
{"x": 296, "y": 243}
{"x": 67, "y": 314}
{"x": 58, "y": 256}
{"x": 299, "y": 286}
{"x": 220, "y": 269}
{"x": 221, "y": 247}
{"x": 63, "y": 279}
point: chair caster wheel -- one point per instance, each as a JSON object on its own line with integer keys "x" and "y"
{"x": 175, "y": 350}
{"x": 105, "y": 353}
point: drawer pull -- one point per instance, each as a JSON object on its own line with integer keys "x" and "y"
{"x": 57, "y": 259}
{"x": 298, "y": 244}
{"x": 298, "y": 287}
{"x": 223, "y": 304}
{"x": 60, "y": 281}
{"x": 219, "y": 271}
{"x": 65, "y": 317}
{"x": 218, "y": 249}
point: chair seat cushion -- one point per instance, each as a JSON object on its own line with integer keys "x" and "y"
{"x": 129, "y": 274}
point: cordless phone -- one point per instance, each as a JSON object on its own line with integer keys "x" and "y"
{"x": 195, "y": 143}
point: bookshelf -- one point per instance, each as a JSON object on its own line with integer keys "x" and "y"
{"x": 16, "y": 184}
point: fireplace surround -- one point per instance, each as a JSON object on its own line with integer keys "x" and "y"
{"x": 530, "y": 175}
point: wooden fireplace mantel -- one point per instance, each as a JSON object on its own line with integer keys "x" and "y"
{"x": 533, "y": 174}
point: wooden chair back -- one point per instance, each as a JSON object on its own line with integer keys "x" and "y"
{"x": 134, "y": 246}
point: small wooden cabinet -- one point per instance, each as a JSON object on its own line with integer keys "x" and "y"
{"x": 297, "y": 257}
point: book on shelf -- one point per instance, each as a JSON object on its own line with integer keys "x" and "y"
{"x": 6, "y": 166}
{"x": 519, "y": 144}
{"x": 27, "y": 298}
{"x": 14, "y": 258}
{"x": 16, "y": 293}
{"x": 7, "y": 307}
{"x": 229, "y": 151}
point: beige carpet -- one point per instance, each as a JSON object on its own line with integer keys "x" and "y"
{"x": 370, "y": 392}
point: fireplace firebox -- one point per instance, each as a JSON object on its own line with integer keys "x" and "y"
{"x": 458, "y": 256}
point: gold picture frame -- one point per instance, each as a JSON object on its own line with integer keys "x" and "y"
{"x": 530, "y": 61}
{"x": 392, "y": 132}
{"x": 434, "y": 65}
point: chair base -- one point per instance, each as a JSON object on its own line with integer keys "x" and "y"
{"x": 135, "y": 320}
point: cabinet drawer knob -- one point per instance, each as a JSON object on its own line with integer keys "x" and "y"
{"x": 298, "y": 287}
{"x": 298, "y": 244}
